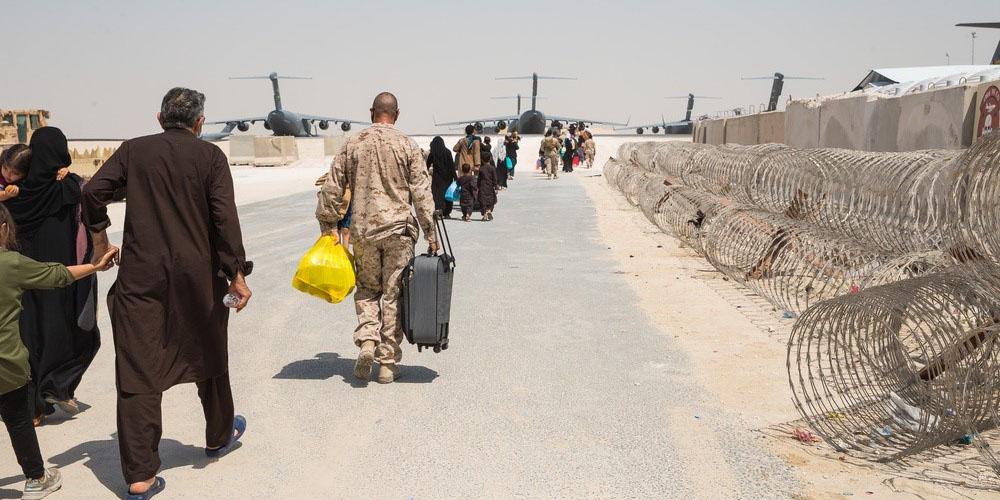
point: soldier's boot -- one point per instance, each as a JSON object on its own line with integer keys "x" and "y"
{"x": 363, "y": 367}
{"x": 387, "y": 374}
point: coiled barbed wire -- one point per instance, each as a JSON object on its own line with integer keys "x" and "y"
{"x": 898, "y": 202}
{"x": 897, "y": 369}
{"x": 679, "y": 211}
{"x": 892, "y": 258}
{"x": 795, "y": 264}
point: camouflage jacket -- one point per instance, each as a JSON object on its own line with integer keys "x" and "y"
{"x": 550, "y": 146}
{"x": 380, "y": 172}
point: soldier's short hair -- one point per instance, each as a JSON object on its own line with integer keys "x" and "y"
{"x": 469, "y": 129}
{"x": 385, "y": 104}
{"x": 548, "y": 133}
{"x": 181, "y": 108}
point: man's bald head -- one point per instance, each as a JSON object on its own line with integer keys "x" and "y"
{"x": 385, "y": 108}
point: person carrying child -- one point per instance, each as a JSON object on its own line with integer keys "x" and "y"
{"x": 17, "y": 400}
{"x": 14, "y": 167}
{"x": 469, "y": 186}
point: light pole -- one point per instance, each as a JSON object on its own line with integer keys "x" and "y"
{"x": 973, "y": 47}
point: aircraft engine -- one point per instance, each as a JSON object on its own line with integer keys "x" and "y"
{"x": 243, "y": 126}
{"x": 656, "y": 130}
{"x": 346, "y": 126}
{"x": 639, "y": 131}
{"x": 267, "y": 126}
{"x": 501, "y": 125}
{"x": 478, "y": 126}
{"x": 323, "y": 125}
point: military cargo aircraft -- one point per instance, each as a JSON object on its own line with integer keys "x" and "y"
{"x": 280, "y": 121}
{"x": 677, "y": 127}
{"x": 532, "y": 121}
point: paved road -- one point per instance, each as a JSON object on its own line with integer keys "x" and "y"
{"x": 555, "y": 384}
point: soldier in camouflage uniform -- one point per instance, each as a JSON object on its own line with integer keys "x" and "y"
{"x": 385, "y": 172}
{"x": 550, "y": 150}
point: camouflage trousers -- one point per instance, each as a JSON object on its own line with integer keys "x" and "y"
{"x": 380, "y": 266}
{"x": 552, "y": 165}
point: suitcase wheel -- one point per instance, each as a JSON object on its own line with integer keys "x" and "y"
{"x": 437, "y": 348}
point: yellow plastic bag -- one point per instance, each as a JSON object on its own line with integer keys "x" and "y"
{"x": 326, "y": 271}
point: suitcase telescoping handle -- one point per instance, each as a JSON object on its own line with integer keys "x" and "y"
{"x": 443, "y": 238}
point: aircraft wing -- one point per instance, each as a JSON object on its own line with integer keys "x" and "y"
{"x": 480, "y": 120}
{"x": 236, "y": 120}
{"x": 568, "y": 119}
{"x": 332, "y": 119}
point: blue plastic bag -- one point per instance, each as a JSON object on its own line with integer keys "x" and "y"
{"x": 454, "y": 193}
{"x": 510, "y": 164}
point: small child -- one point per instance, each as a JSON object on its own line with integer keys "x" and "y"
{"x": 14, "y": 163}
{"x": 469, "y": 184}
{"x": 17, "y": 405}
{"x": 13, "y": 167}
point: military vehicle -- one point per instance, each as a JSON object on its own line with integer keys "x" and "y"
{"x": 17, "y": 125}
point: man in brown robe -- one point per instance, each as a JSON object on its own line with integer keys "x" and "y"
{"x": 182, "y": 252}
{"x": 469, "y": 150}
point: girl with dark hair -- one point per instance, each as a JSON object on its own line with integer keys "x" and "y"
{"x": 59, "y": 327}
{"x": 17, "y": 406}
{"x": 443, "y": 173}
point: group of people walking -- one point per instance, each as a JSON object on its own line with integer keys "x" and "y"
{"x": 182, "y": 252}
{"x": 472, "y": 167}
{"x": 570, "y": 148}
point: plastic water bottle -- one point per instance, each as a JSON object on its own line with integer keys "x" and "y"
{"x": 231, "y": 300}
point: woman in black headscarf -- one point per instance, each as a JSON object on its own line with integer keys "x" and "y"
{"x": 59, "y": 327}
{"x": 444, "y": 173}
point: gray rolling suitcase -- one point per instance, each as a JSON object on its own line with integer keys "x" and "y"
{"x": 426, "y": 301}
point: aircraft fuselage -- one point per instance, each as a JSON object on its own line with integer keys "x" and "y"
{"x": 531, "y": 122}
{"x": 282, "y": 122}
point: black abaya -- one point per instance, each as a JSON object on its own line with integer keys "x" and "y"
{"x": 58, "y": 327}
{"x": 442, "y": 175}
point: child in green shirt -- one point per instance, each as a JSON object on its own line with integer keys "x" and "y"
{"x": 19, "y": 273}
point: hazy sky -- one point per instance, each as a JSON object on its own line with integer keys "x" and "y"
{"x": 102, "y": 67}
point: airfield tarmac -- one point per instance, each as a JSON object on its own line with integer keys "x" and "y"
{"x": 591, "y": 356}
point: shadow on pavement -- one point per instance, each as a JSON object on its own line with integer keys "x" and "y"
{"x": 103, "y": 460}
{"x": 15, "y": 481}
{"x": 327, "y": 365}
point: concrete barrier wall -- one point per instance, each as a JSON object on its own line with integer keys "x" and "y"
{"x": 802, "y": 124}
{"x": 843, "y": 123}
{"x": 883, "y": 124}
{"x": 937, "y": 119}
{"x": 715, "y": 131}
{"x": 771, "y": 127}
{"x": 241, "y": 149}
{"x": 273, "y": 151}
{"x": 742, "y": 130}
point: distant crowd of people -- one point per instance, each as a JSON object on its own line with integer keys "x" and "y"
{"x": 571, "y": 147}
